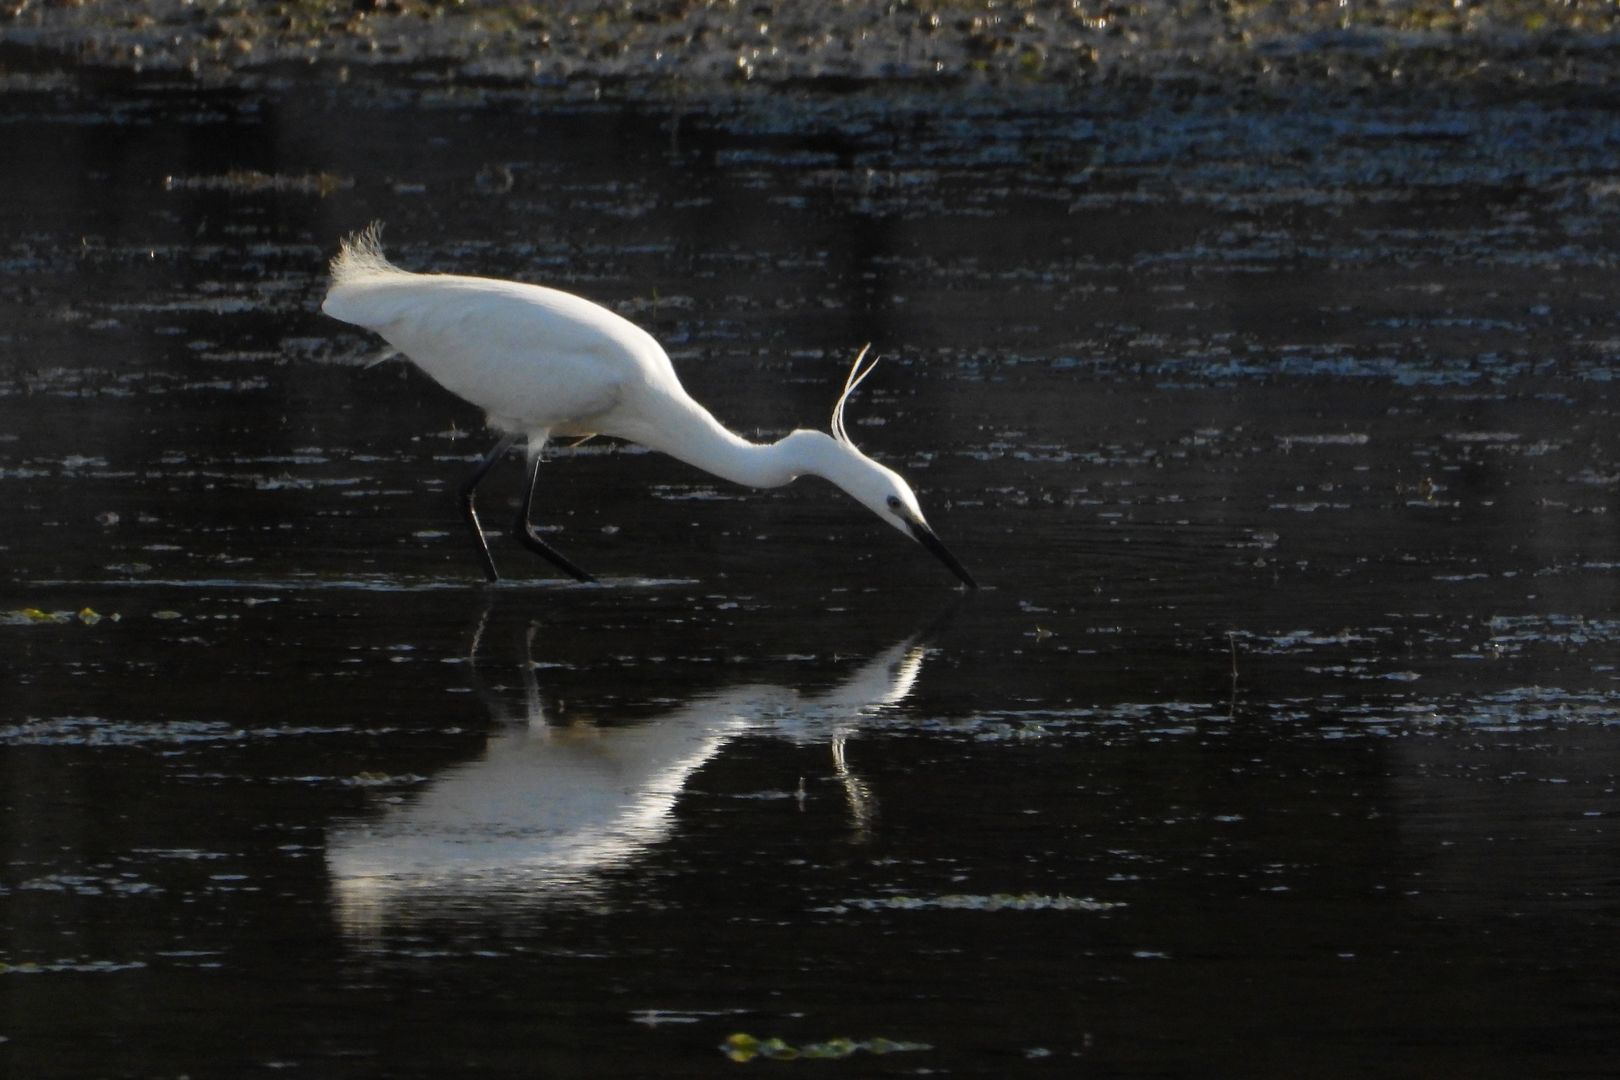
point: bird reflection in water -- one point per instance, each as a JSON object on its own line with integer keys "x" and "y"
{"x": 549, "y": 808}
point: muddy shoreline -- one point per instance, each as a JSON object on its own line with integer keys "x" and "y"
{"x": 682, "y": 49}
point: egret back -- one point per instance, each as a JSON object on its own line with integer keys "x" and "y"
{"x": 535, "y": 359}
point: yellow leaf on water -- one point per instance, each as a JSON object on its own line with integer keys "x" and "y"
{"x": 831, "y": 1048}
{"x": 778, "y": 1050}
{"x": 741, "y": 1047}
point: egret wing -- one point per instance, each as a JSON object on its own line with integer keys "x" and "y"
{"x": 531, "y": 357}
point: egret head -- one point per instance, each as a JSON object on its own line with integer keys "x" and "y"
{"x": 879, "y": 488}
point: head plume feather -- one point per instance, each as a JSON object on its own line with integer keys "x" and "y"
{"x": 857, "y": 375}
{"x": 361, "y": 256}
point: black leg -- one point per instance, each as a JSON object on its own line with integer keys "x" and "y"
{"x": 486, "y": 463}
{"x": 531, "y": 540}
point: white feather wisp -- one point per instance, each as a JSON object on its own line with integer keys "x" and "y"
{"x": 857, "y": 375}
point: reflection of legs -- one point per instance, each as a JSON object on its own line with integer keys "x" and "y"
{"x": 483, "y": 690}
{"x": 496, "y": 697}
{"x": 530, "y": 539}
{"x": 486, "y": 463}
{"x": 862, "y": 803}
{"x": 534, "y": 708}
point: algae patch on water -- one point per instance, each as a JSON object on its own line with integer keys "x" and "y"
{"x": 742, "y": 1047}
{"x": 244, "y": 181}
{"x": 33, "y": 616}
{"x": 982, "y": 902}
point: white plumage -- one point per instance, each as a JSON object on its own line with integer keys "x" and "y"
{"x": 543, "y": 363}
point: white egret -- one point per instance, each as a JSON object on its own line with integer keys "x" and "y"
{"x": 543, "y": 363}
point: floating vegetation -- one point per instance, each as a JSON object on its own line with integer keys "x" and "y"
{"x": 382, "y": 779}
{"x": 742, "y": 1047}
{"x": 168, "y": 733}
{"x": 31, "y": 967}
{"x": 1517, "y": 632}
{"x": 250, "y": 181}
{"x": 99, "y": 731}
{"x": 32, "y": 616}
{"x": 978, "y": 902}
{"x": 85, "y": 885}
{"x": 1337, "y": 438}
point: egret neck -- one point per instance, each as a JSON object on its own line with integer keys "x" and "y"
{"x": 701, "y": 441}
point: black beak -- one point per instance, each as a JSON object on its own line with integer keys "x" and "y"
{"x": 925, "y": 536}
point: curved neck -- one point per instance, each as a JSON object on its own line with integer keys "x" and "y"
{"x": 700, "y": 440}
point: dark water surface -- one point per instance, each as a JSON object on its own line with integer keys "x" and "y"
{"x": 1283, "y": 741}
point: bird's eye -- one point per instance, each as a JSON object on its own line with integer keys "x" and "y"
{"x": 894, "y": 503}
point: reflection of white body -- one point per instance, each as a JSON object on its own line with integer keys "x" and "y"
{"x": 547, "y": 807}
